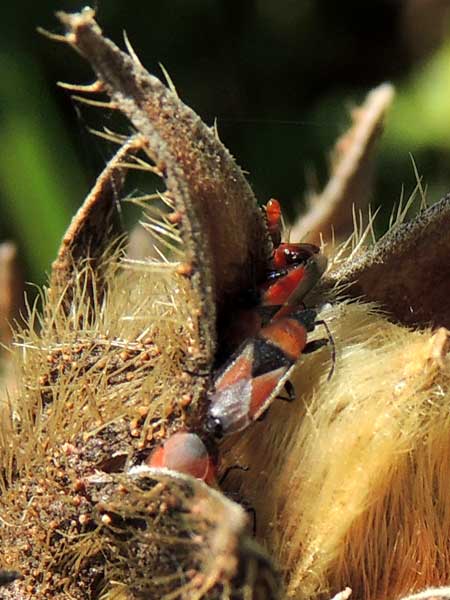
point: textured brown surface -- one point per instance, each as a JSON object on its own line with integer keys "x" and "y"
{"x": 408, "y": 271}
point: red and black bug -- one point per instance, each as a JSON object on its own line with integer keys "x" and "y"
{"x": 294, "y": 271}
{"x": 295, "y": 268}
{"x": 243, "y": 390}
{"x": 245, "y": 386}
{"x": 255, "y": 375}
{"x": 186, "y": 453}
{"x": 288, "y": 285}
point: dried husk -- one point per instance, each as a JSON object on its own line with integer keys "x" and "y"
{"x": 349, "y": 482}
{"x": 119, "y": 356}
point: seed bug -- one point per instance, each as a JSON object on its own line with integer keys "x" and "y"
{"x": 296, "y": 267}
{"x": 290, "y": 255}
{"x": 294, "y": 271}
{"x": 186, "y": 453}
{"x": 288, "y": 285}
{"x": 253, "y": 377}
{"x": 256, "y": 373}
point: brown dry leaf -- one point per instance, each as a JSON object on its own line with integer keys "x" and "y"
{"x": 331, "y": 211}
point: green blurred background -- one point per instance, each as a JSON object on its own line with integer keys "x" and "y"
{"x": 278, "y": 75}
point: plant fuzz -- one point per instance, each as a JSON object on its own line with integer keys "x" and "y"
{"x": 349, "y": 482}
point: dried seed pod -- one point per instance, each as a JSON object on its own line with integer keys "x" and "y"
{"x": 115, "y": 339}
{"x": 168, "y": 535}
{"x": 91, "y": 233}
{"x": 209, "y": 191}
{"x": 97, "y": 396}
{"x": 349, "y": 482}
{"x": 407, "y": 272}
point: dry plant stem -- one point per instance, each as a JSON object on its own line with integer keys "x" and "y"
{"x": 407, "y": 271}
{"x": 92, "y": 231}
{"x": 350, "y": 182}
{"x": 208, "y": 188}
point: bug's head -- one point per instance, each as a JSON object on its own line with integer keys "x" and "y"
{"x": 291, "y": 255}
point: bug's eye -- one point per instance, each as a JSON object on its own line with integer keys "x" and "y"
{"x": 295, "y": 257}
{"x": 291, "y": 257}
